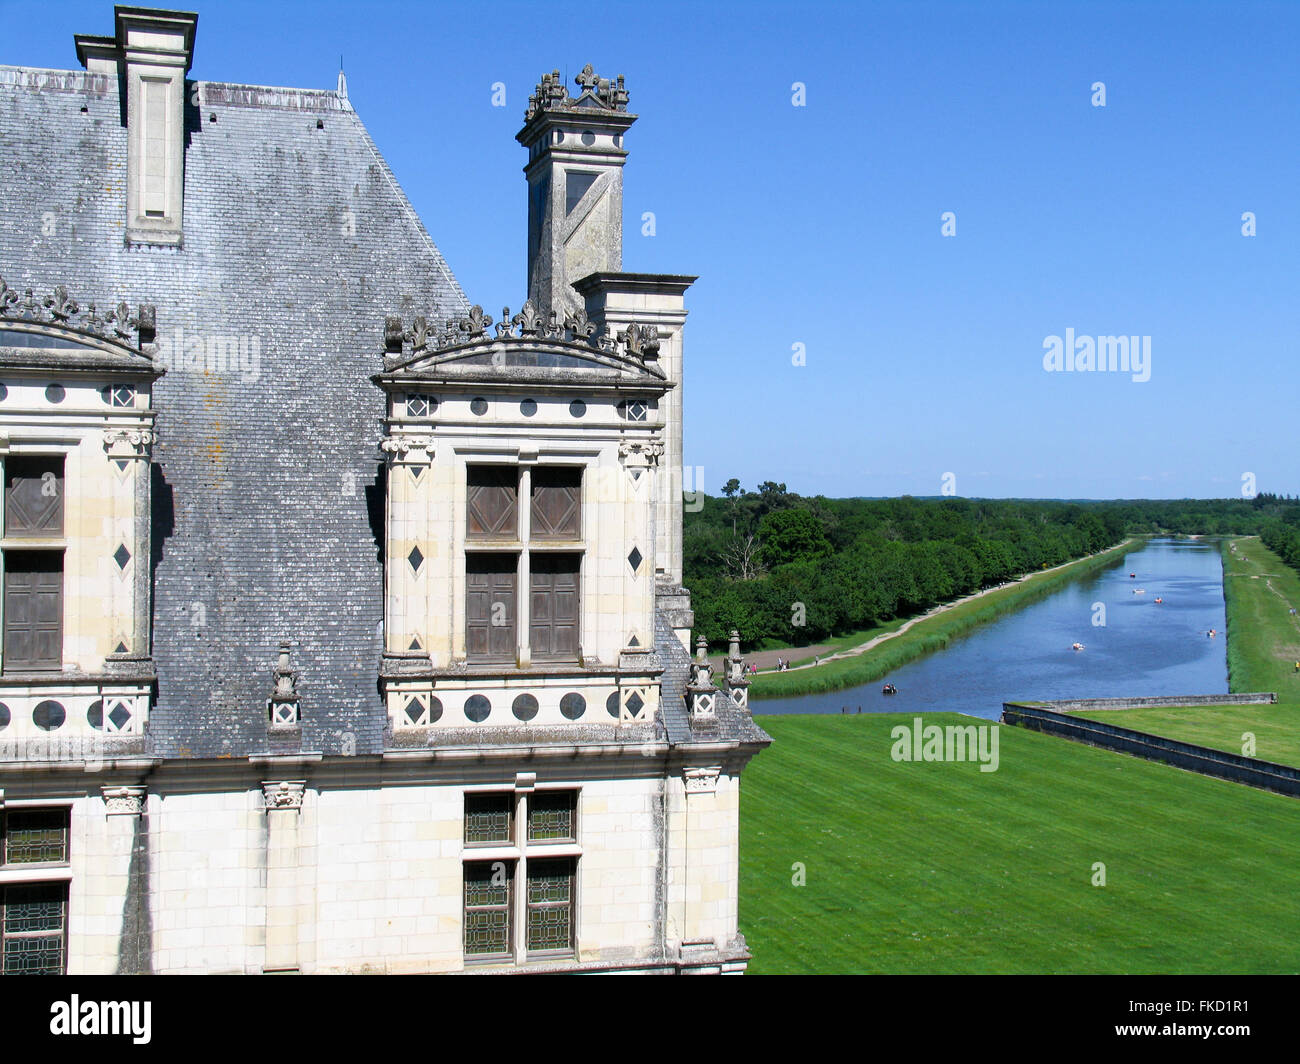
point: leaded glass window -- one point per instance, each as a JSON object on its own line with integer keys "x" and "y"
{"x": 489, "y": 819}
{"x": 34, "y": 836}
{"x": 489, "y": 898}
{"x": 550, "y": 904}
{"x": 33, "y": 929}
{"x": 551, "y": 816}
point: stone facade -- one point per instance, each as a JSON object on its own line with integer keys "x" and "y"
{"x": 364, "y": 641}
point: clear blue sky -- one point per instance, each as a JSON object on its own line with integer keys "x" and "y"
{"x": 820, "y": 224}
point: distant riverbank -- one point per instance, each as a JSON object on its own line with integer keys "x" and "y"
{"x": 931, "y": 631}
{"x": 1259, "y": 590}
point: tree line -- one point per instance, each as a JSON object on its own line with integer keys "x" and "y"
{"x": 781, "y": 567}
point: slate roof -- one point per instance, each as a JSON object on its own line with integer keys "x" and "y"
{"x": 257, "y": 537}
{"x": 267, "y": 494}
{"x": 733, "y": 724}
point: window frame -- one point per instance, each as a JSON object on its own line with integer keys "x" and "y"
{"x": 65, "y": 814}
{"x": 60, "y": 887}
{"x": 519, "y": 855}
{"x": 522, "y": 546}
{"x": 31, "y": 665}
{"x": 29, "y": 875}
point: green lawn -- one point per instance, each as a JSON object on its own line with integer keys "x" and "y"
{"x": 1263, "y": 637}
{"x": 1276, "y": 728}
{"x": 933, "y": 867}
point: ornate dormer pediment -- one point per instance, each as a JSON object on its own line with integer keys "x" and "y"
{"x": 523, "y": 348}
{"x": 56, "y": 331}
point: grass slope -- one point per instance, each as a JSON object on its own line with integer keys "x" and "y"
{"x": 1263, "y": 638}
{"x": 933, "y": 867}
{"x": 1276, "y": 728}
{"x": 930, "y": 633}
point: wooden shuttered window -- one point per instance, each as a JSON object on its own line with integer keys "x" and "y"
{"x": 556, "y": 503}
{"x": 553, "y": 614}
{"x": 34, "y": 495}
{"x": 490, "y": 606}
{"x": 33, "y": 610}
{"x": 492, "y": 502}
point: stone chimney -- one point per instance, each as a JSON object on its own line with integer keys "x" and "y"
{"x": 151, "y": 53}
{"x": 575, "y": 185}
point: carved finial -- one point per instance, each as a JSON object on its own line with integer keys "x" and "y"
{"x": 587, "y": 79}
{"x": 60, "y": 305}
{"x": 8, "y": 297}
{"x": 577, "y": 323}
{"x": 528, "y": 320}
{"x": 282, "y": 707}
{"x": 418, "y": 333}
{"x": 477, "y": 323}
{"x": 505, "y": 327}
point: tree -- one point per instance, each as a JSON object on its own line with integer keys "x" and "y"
{"x": 741, "y": 557}
{"x": 730, "y": 489}
{"x": 792, "y": 536}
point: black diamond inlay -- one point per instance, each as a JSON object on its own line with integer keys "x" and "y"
{"x": 415, "y": 558}
{"x": 120, "y": 716}
{"x": 634, "y": 704}
{"x": 634, "y": 559}
{"x": 414, "y": 710}
{"x": 121, "y": 556}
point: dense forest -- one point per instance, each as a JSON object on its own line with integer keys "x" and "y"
{"x": 781, "y": 567}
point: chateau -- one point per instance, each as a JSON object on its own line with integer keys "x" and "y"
{"x": 343, "y": 627}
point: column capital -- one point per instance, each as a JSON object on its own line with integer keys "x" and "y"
{"x": 283, "y": 794}
{"x": 124, "y": 801}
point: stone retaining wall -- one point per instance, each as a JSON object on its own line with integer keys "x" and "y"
{"x": 1218, "y": 763}
{"x": 1069, "y": 705}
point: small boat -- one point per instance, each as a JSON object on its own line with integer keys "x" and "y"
{"x": 1159, "y": 599}
{"x": 1132, "y": 576}
{"x": 1139, "y": 591}
{"x": 889, "y": 689}
{"x": 1076, "y": 646}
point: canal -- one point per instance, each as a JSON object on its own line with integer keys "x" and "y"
{"x": 1141, "y": 647}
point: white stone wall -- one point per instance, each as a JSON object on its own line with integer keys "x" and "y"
{"x": 367, "y": 877}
